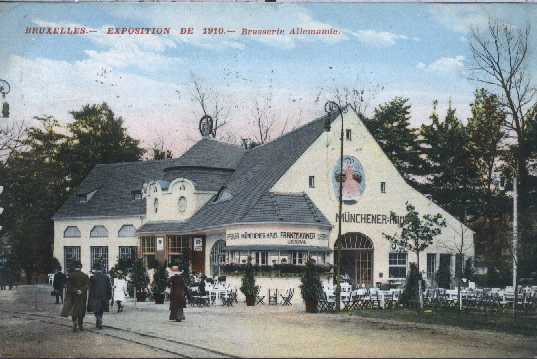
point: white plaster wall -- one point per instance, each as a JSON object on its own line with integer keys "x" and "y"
{"x": 85, "y": 242}
{"x": 320, "y": 160}
{"x": 168, "y": 200}
{"x": 210, "y": 240}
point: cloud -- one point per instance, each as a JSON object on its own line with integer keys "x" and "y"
{"x": 460, "y": 18}
{"x": 379, "y": 38}
{"x": 444, "y": 65}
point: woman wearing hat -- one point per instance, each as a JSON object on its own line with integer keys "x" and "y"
{"x": 177, "y": 295}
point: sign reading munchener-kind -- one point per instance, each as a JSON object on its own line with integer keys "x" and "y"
{"x": 369, "y": 218}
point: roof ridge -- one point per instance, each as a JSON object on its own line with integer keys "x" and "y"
{"x": 324, "y": 117}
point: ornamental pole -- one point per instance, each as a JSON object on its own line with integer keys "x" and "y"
{"x": 330, "y": 107}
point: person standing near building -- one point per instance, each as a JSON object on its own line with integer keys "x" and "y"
{"x": 3, "y": 277}
{"x": 177, "y": 295}
{"x": 58, "y": 284}
{"x": 100, "y": 293}
{"x": 77, "y": 290}
{"x": 120, "y": 290}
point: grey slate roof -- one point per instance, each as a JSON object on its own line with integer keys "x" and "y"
{"x": 115, "y": 182}
{"x": 258, "y": 170}
{"x": 248, "y": 175}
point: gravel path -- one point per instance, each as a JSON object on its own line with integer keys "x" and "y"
{"x": 264, "y": 331}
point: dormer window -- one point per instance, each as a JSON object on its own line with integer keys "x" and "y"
{"x": 86, "y": 197}
{"x": 223, "y": 195}
{"x": 136, "y": 195}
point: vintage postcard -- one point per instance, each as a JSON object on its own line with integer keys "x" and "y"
{"x": 251, "y": 179}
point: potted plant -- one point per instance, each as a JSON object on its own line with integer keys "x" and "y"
{"x": 160, "y": 280}
{"x": 248, "y": 287}
{"x": 311, "y": 287}
{"x": 140, "y": 280}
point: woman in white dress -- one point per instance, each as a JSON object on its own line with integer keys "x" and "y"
{"x": 120, "y": 291}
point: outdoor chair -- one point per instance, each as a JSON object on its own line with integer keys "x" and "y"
{"x": 258, "y": 298}
{"x": 286, "y": 299}
{"x": 273, "y": 298}
{"x": 325, "y": 306}
{"x": 228, "y": 300}
{"x": 213, "y": 297}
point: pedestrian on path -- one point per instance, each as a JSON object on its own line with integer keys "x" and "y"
{"x": 120, "y": 290}
{"x": 100, "y": 292}
{"x": 58, "y": 284}
{"x": 77, "y": 290}
{"x": 177, "y": 295}
{"x": 3, "y": 277}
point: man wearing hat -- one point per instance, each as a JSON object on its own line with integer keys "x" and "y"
{"x": 100, "y": 293}
{"x": 177, "y": 294}
{"x": 77, "y": 290}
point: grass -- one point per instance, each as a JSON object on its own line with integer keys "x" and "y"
{"x": 501, "y": 322}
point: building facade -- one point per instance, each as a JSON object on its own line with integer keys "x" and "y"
{"x": 217, "y": 204}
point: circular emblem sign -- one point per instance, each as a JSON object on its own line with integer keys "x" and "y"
{"x": 352, "y": 177}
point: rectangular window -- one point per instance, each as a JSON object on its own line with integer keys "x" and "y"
{"x": 297, "y": 258}
{"x": 136, "y": 195}
{"x": 99, "y": 253}
{"x": 148, "y": 248}
{"x": 382, "y": 187}
{"x": 70, "y": 254}
{"x": 127, "y": 252}
{"x": 397, "y": 265}
{"x": 261, "y": 258}
{"x": 312, "y": 181}
{"x": 431, "y": 265}
{"x": 348, "y": 134}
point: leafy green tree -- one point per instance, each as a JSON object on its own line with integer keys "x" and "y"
{"x": 248, "y": 287}
{"x": 97, "y": 136}
{"x": 409, "y": 297}
{"x": 485, "y": 134}
{"x": 417, "y": 233}
{"x": 35, "y": 186}
{"x": 390, "y": 125}
{"x": 453, "y": 178}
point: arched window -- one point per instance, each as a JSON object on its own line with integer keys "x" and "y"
{"x": 127, "y": 230}
{"x": 218, "y": 256}
{"x": 355, "y": 241}
{"x": 99, "y": 232}
{"x": 71, "y": 232}
{"x": 155, "y": 205}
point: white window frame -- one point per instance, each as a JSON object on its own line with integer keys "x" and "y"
{"x": 397, "y": 264}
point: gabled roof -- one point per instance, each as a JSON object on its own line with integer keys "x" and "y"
{"x": 257, "y": 172}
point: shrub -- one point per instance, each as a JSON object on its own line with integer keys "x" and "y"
{"x": 248, "y": 287}
{"x": 139, "y": 276}
{"x": 410, "y": 293}
{"x": 311, "y": 287}
{"x": 160, "y": 280}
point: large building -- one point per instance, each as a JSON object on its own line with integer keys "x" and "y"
{"x": 277, "y": 202}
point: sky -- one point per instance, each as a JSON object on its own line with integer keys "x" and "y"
{"x": 418, "y": 51}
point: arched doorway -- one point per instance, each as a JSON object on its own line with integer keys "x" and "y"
{"x": 218, "y": 257}
{"x": 356, "y": 258}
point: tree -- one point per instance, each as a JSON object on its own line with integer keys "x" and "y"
{"x": 11, "y": 136}
{"x": 97, "y": 136}
{"x": 160, "y": 152}
{"x": 452, "y": 176}
{"x": 36, "y": 185}
{"x": 486, "y": 133}
{"x": 248, "y": 287}
{"x": 416, "y": 233}
{"x": 210, "y": 103}
{"x": 390, "y": 126}
{"x": 500, "y": 60}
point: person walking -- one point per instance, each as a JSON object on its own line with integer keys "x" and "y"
{"x": 58, "y": 284}
{"x": 3, "y": 277}
{"x": 177, "y": 295}
{"x": 77, "y": 290}
{"x": 120, "y": 290}
{"x": 100, "y": 292}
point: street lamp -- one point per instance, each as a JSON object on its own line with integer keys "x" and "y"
{"x": 329, "y": 108}
{"x": 4, "y": 90}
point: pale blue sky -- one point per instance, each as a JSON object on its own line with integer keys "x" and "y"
{"x": 418, "y": 51}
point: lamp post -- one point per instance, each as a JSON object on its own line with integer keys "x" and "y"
{"x": 329, "y": 108}
{"x": 4, "y": 90}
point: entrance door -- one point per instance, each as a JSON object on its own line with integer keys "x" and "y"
{"x": 363, "y": 265}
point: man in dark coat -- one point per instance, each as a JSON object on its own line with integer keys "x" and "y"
{"x": 77, "y": 290}
{"x": 58, "y": 284}
{"x": 100, "y": 294}
{"x": 177, "y": 295}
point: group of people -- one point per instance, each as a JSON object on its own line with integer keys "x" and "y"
{"x": 77, "y": 285}
{"x": 100, "y": 288}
